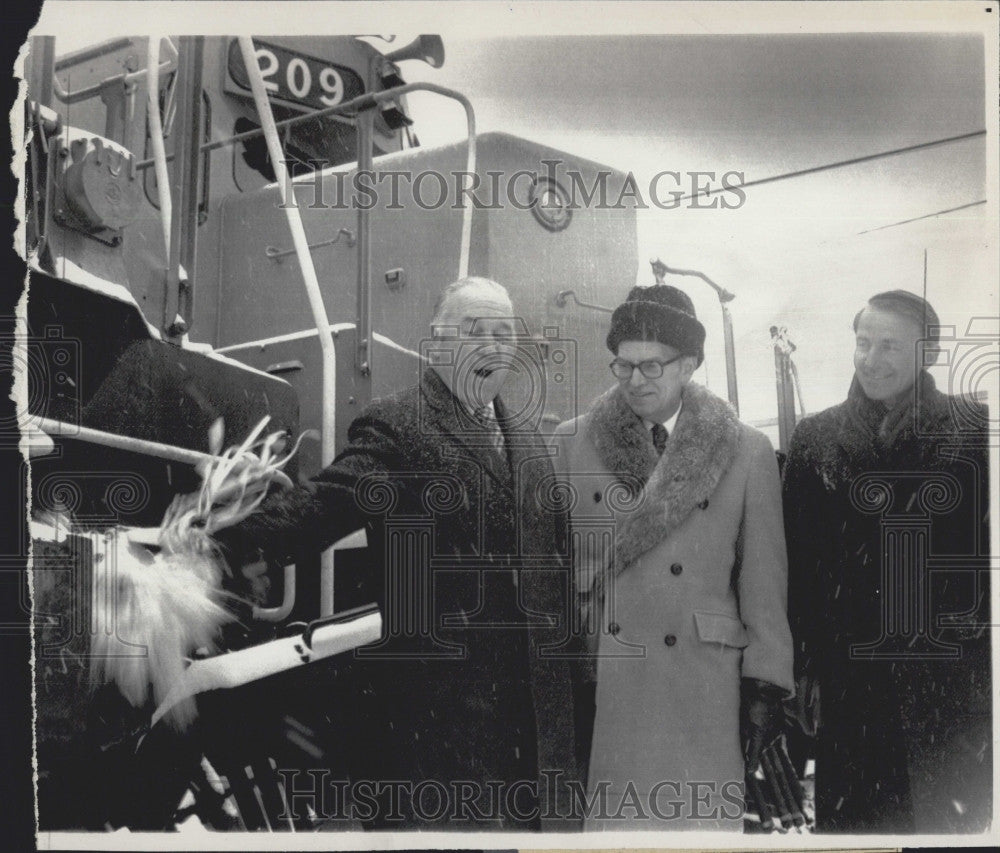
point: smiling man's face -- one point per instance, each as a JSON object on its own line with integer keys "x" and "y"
{"x": 655, "y": 399}
{"x": 885, "y": 354}
{"x": 477, "y": 325}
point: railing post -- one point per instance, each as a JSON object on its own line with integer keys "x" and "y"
{"x": 784, "y": 381}
{"x": 313, "y": 292}
{"x": 178, "y": 305}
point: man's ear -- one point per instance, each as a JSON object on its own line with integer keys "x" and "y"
{"x": 689, "y": 364}
{"x": 930, "y": 352}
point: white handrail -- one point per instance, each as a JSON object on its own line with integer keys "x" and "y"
{"x": 171, "y": 50}
{"x": 67, "y": 97}
{"x": 280, "y": 613}
{"x": 470, "y": 158}
{"x": 62, "y": 429}
{"x": 313, "y": 292}
{"x": 232, "y": 669}
{"x": 156, "y": 137}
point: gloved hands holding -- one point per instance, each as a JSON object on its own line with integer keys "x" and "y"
{"x": 762, "y": 716}
{"x": 772, "y": 787}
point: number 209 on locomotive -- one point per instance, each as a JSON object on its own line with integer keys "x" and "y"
{"x": 292, "y": 77}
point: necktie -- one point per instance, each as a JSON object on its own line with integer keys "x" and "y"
{"x": 660, "y": 436}
{"x": 487, "y": 420}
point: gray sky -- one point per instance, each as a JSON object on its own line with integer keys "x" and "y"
{"x": 762, "y": 103}
{"x": 765, "y": 105}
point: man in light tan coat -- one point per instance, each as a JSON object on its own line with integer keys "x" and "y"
{"x": 680, "y": 566}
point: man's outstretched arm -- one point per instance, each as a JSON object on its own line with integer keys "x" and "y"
{"x": 312, "y": 516}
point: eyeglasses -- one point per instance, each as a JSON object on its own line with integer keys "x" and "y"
{"x": 651, "y": 369}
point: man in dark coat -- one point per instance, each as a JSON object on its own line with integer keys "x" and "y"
{"x": 463, "y": 696}
{"x": 886, "y": 509}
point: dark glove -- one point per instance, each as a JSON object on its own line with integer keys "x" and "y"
{"x": 804, "y": 708}
{"x": 762, "y": 716}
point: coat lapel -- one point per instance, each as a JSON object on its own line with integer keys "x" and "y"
{"x": 443, "y": 415}
{"x": 521, "y": 445}
{"x": 665, "y": 490}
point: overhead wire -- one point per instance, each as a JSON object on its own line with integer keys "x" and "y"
{"x": 798, "y": 173}
{"x": 925, "y": 216}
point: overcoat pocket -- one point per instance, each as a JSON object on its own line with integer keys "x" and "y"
{"x": 721, "y": 628}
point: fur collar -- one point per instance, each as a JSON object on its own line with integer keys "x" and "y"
{"x": 664, "y": 490}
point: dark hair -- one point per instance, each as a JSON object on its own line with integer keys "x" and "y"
{"x": 909, "y": 306}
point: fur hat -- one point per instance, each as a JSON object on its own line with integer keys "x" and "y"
{"x": 658, "y": 313}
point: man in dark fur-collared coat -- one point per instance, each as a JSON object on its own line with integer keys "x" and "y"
{"x": 886, "y": 506}
{"x": 679, "y": 556}
{"x": 461, "y": 696}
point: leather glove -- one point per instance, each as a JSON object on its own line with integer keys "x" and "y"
{"x": 803, "y": 709}
{"x": 762, "y": 716}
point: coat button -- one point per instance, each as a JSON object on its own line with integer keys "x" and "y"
{"x": 597, "y": 497}
{"x": 670, "y": 639}
{"x": 614, "y": 628}
{"x": 703, "y": 504}
{"x": 676, "y": 569}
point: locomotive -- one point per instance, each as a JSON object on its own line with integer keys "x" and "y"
{"x": 170, "y": 301}
{"x": 187, "y": 300}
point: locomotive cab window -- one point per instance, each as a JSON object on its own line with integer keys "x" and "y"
{"x": 311, "y": 145}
